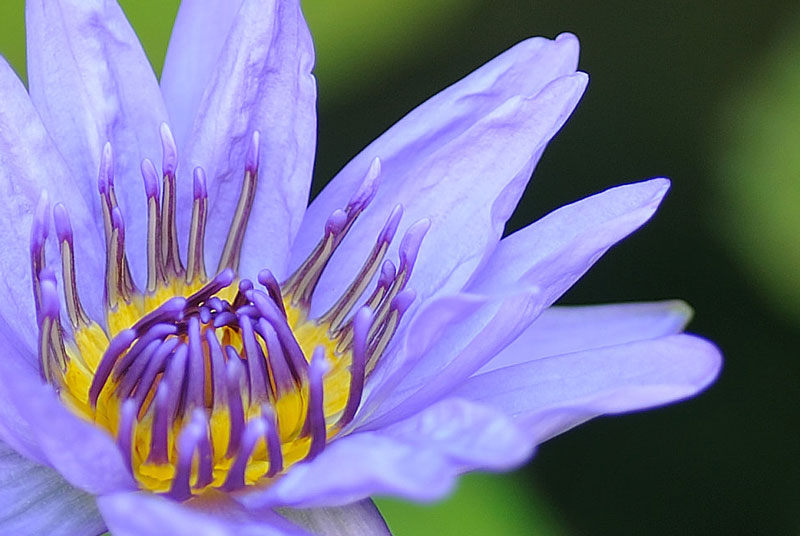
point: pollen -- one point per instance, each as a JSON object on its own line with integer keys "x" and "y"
{"x": 215, "y": 382}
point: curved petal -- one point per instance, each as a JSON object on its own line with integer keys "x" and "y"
{"x": 462, "y": 159}
{"x": 262, "y": 82}
{"x": 558, "y": 249}
{"x": 86, "y": 456}
{"x": 144, "y": 514}
{"x": 528, "y": 271}
{"x": 551, "y": 395}
{"x": 354, "y": 519}
{"x": 36, "y": 500}
{"x": 198, "y": 36}
{"x": 91, "y": 82}
{"x": 564, "y": 330}
{"x": 30, "y": 163}
{"x": 417, "y": 459}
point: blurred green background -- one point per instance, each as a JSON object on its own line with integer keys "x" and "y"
{"x": 707, "y": 93}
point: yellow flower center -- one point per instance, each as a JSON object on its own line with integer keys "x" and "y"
{"x": 221, "y": 382}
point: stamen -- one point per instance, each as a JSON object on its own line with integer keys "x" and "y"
{"x": 156, "y": 365}
{"x": 337, "y": 313}
{"x": 272, "y": 314}
{"x": 136, "y": 370}
{"x": 108, "y": 204}
{"x": 40, "y": 228}
{"x": 188, "y": 442}
{"x": 196, "y": 264}
{"x": 217, "y": 368}
{"x": 409, "y": 247}
{"x": 170, "y": 253}
{"x": 399, "y": 306}
{"x": 273, "y": 441}
{"x": 175, "y": 378}
{"x": 267, "y": 279}
{"x": 255, "y": 361}
{"x": 155, "y": 267}
{"x": 278, "y": 366}
{"x": 159, "y": 431}
{"x": 52, "y": 356}
{"x": 205, "y": 466}
{"x": 196, "y": 382}
{"x": 127, "y": 421}
{"x": 304, "y": 280}
{"x": 233, "y": 379}
{"x": 315, "y": 419}
{"x": 118, "y": 344}
{"x": 361, "y": 326}
{"x": 157, "y": 332}
{"x": 253, "y": 432}
{"x": 116, "y": 262}
{"x": 75, "y": 311}
{"x": 232, "y": 250}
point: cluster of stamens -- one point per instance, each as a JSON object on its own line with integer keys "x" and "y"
{"x": 215, "y": 382}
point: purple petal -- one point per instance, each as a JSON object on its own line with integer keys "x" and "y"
{"x": 538, "y": 254}
{"x": 213, "y": 514}
{"x": 85, "y": 455}
{"x": 15, "y": 430}
{"x": 417, "y": 459}
{"x": 36, "y": 500}
{"x": 462, "y": 160}
{"x": 564, "y": 330}
{"x": 550, "y": 395}
{"x": 198, "y": 35}
{"x": 528, "y": 271}
{"x": 262, "y": 82}
{"x": 30, "y": 162}
{"x": 354, "y": 519}
{"x": 92, "y": 83}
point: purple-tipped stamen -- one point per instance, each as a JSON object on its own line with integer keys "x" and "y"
{"x": 116, "y": 347}
{"x": 253, "y": 432}
{"x": 127, "y": 420}
{"x": 160, "y": 428}
{"x": 175, "y": 378}
{"x": 233, "y": 380}
{"x": 255, "y": 361}
{"x": 362, "y": 322}
{"x": 196, "y": 381}
{"x": 156, "y": 365}
{"x": 278, "y": 366}
{"x": 268, "y": 281}
{"x": 195, "y": 258}
{"x": 273, "y": 440}
{"x": 315, "y": 418}
{"x": 205, "y": 463}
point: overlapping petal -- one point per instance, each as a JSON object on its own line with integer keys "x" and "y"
{"x": 144, "y": 514}
{"x": 462, "y": 160}
{"x": 419, "y": 458}
{"x": 262, "y": 81}
{"x": 37, "y": 500}
{"x": 564, "y": 330}
{"x": 527, "y": 272}
{"x": 198, "y": 36}
{"x": 92, "y": 83}
{"x": 85, "y": 455}
{"x": 548, "y": 396}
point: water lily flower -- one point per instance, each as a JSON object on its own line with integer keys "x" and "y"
{"x": 191, "y": 349}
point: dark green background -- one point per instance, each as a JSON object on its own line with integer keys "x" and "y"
{"x": 703, "y": 92}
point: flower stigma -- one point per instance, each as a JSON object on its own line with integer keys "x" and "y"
{"x": 214, "y": 382}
